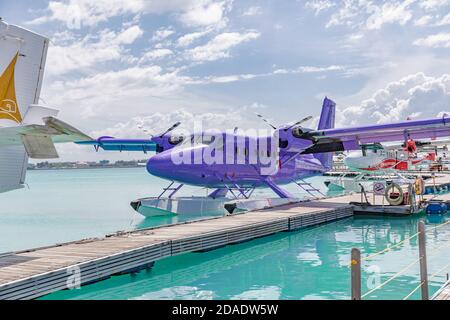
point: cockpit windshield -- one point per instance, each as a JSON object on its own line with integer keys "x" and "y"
{"x": 198, "y": 139}
{"x": 175, "y": 140}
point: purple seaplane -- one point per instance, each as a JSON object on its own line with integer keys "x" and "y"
{"x": 236, "y": 162}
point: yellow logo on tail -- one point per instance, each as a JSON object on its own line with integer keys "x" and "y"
{"x": 8, "y": 102}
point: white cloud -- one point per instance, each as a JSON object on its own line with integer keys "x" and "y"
{"x": 88, "y": 52}
{"x": 444, "y": 21}
{"x": 98, "y": 90}
{"x": 162, "y": 34}
{"x": 78, "y": 13}
{"x": 219, "y": 47}
{"x": 440, "y": 40}
{"x": 156, "y": 54}
{"x": 389, "y": 13}
{"x": 345, "y": 15}
{"x": 416, "y": 95}
{"x": 309, "y": 69}
{"x": 252, "y": 11}
{"x": 423, "y": 21}
{"x": 189, "y": 38}
{"x": 205, "y": 12}
{"x": 249, "y": 76}
{"x": 319, "y": 5}
{"x": 434, "y": 4}
{"x": 371, "y": 15}
{"x": 128, "y": 36}
{"x": 158, "y": 122}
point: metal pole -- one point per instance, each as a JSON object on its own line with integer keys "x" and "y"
{"x": 423, "y": 261}
{"x": 356, "y": 274}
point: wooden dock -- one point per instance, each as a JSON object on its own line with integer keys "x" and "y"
{"x": 34, "y": 273}
{"x": 443, "y": 293}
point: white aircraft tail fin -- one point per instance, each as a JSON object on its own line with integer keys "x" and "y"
{"x": 22, "y": 130}
{"x": 22, "y": 61}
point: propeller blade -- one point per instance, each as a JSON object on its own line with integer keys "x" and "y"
{"x": 263, "y": 119}
{"x": 145, "y": 130}
{"x": 299, "y": 122}
{"x": 171, "y": 128}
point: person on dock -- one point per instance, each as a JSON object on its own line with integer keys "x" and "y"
{"x": 419, "y": 186}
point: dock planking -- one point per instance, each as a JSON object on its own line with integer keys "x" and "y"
{"x": 443, "y": 293}
{"x": 33, "y": 273}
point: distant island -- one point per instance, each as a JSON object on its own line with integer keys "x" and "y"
{"x": 86, "y": 165}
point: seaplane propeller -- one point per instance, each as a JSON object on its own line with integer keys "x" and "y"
{"x": 174, "y": 126}
{"x": 289, "y": 127}
{"x": 265, "y": 120}
{"x": 299, "y": 123}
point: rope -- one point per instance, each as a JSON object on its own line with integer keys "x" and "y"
{"x": 436, "y": 273}
{"x": 436, "y": 249}
{"x": 369, "y": 257}
{"x": 421, "y": 283}
{"x": 392, "y": 278}
{"x": 433, "y": 252}
{"x": 412, "y": 292}
{"x": 389, "y": 248}
{"x": 442, "y": 224}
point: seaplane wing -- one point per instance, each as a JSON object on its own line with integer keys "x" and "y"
{"x": 331, "y": 140}
{"x": 113, "y": 144}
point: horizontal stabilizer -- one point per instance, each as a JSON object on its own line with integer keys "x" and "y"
{"x": 113, "y": 144}
{"x": 36, "y": 136}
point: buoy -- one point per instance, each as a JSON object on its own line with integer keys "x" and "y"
{"x": 394, "y": 201}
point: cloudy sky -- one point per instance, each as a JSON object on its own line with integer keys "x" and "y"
{"x": 114, "y": 64}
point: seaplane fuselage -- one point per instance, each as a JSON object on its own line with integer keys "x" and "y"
{"x": 246, "y": 161}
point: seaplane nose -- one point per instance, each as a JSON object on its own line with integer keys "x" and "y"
{"x": 159, "y": 165}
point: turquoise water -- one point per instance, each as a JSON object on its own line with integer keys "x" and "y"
{"x": 308, "y": 264}
{"x": 66, "y": 205}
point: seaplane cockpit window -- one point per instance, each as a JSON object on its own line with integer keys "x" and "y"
{"x": 175, "y": 140}
{"x": 208, "y": 139}
{"x": 196, "y": 139}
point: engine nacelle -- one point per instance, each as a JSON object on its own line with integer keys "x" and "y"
{"x": 295, "y": 139}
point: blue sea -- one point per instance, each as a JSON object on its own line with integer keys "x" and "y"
{"x": 64, "y": 205}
